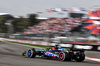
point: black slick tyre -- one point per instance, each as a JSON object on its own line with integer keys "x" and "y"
{"x": 80, "y": 58}
{"x": 31, "y": 53}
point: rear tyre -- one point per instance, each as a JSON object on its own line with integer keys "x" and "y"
{"x": 31, "y": 53}
{"x": 64, "y": 56}
{"x": 80, "y": 58}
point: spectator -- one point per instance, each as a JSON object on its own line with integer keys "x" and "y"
{"x": 53, "y": 25}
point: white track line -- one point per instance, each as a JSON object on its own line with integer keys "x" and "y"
{"x": 94, "y": 59}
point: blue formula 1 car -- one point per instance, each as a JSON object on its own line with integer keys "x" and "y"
{"x": 57, "y": 53}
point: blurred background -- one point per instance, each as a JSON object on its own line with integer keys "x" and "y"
{"x": 36, "y": 20}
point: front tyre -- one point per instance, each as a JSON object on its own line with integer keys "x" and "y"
{"x": 64, "y": 56}
{"x": 31, "y": 53}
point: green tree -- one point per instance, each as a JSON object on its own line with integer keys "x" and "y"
{"x": 3, "y": 27}
{"x": 32, "y": 19}
{"x": 20, "y": 24}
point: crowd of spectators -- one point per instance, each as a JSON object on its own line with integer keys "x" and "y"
{"x": 54, "y": 25}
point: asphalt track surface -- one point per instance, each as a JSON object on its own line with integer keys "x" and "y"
{"x": 10, "y": 55}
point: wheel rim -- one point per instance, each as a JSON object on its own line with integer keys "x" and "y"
{"x": 61, "y": 56}
{"x": 29, "y": 53}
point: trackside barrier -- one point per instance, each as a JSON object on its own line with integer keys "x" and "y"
{"x": 66, "y": 45}
{"x": 30, "y": 42}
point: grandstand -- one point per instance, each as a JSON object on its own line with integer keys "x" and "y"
{"x": 55, "y": 25}
{"x": 62, "y": 26}
{"x": 73, "y": 21}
